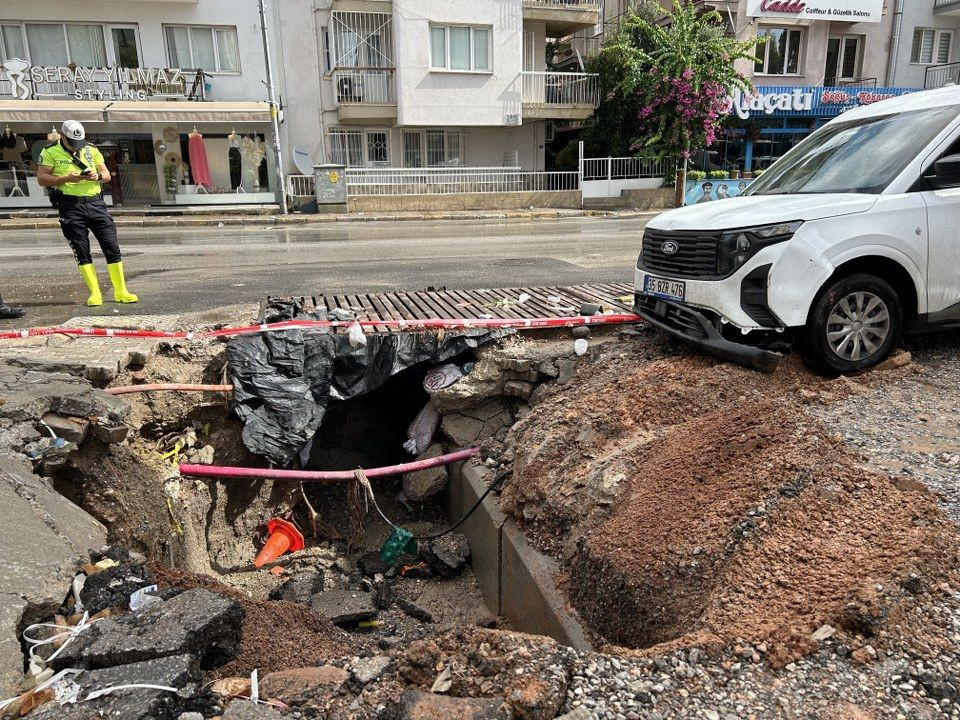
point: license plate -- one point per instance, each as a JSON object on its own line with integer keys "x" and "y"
{"x": 663, "y": 288}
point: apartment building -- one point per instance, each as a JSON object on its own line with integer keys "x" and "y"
{"x": 172, "y": 91}
{"x": 925, "y": 47}
{"x": 428, "y": 83}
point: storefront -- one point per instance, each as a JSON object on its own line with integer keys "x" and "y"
{"x": 763, "y": 126}
{"x": 163, "y": 142}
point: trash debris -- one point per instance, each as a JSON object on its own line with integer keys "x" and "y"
{"x": 444, "y": 376}
{"x": 143, "y": 597}
{"x": 581, "y": 346}
{"x": 284, "y": 537}
{"x": 231, "y": 687}
{"x": 443, "y": 682}
{"x": 399, "y": 543}
{"x": 422, "y": 429}
{"x": 356, "y": 336}
{"x": 523, "y": 298}
{"x": 283, "y": 380}
{"x": 447, "y": 556}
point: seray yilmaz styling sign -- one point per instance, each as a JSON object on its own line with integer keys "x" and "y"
{"x": 116, "y": 83}
{"x": 841, "y": 10}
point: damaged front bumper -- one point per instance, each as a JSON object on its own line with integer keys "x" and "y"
{"x": 688, "y": 324}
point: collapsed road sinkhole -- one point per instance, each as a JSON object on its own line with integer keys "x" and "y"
{"x": 643, "y": 500}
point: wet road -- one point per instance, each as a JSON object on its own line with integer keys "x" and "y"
{"x": 180, "y": 270}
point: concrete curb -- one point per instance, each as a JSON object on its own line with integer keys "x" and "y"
{"x": 254, "y": 220}
{"x": 516, "y": 580}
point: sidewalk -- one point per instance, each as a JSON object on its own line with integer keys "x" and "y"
{"x": 46, "y": 220}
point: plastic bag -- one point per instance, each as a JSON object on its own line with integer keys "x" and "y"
{"x": 422, "y": 428}
{"x": 356, "y": 336}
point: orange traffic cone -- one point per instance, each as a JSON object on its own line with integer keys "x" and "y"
{"x": 284, "y": 537}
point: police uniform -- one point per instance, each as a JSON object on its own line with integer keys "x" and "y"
{"x": 82, "y": 211}
{"x": 81, "y": 205}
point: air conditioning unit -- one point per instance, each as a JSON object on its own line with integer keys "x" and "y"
{"x": 349, "y": 89}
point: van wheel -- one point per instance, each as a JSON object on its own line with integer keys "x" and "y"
{"x": 854, "y": 324}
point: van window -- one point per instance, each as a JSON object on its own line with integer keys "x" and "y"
{"x": 855, "y": 156}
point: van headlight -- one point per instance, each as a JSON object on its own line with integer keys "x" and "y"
{"x": 738, "y": 246}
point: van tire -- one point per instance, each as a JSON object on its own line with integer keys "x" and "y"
{"x": 872, "y": 321}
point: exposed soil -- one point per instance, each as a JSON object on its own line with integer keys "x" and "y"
{"x": 697, "y": 502}
{"x": 276, "y": 635}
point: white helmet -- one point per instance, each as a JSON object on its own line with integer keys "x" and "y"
{"x": 73, "y": 130}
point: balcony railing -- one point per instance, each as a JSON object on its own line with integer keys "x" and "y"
{"x": 850, "y": 82}
{"x": 623, "y": 168}
{"x": 371, "y": 86}
{"x": 550, "y": 89}
{"x": 940, "y": 75}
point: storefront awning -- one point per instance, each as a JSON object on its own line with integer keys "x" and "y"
{"x": 53, "y": 111}
{"x": 98, "y": 111}
{"x": 187, "y": 112}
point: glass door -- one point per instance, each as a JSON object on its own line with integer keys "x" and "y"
{"x": 124, "y": 47}
{"x": 843, "y": 59}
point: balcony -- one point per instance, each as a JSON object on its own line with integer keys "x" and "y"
{"x": 940, "y": 75}
{"x": 563, "y": 17}
{"x": 946, "y": 7}
{"x": 560, "y": 96}
{"x": 365, "y": 94}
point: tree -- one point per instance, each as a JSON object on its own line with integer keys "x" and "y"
{"x": 674, "y": 77}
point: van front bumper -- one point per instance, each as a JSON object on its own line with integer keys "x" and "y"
{"x": 688, "y": 324}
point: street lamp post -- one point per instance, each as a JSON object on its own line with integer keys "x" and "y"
{"x": 274, "y": 119}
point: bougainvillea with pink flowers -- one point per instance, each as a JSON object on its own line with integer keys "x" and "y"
{"x": 678, "y": 73}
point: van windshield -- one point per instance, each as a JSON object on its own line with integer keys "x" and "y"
{"x": 858, "y": 156}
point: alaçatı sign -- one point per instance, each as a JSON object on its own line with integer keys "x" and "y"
{"x": 842, "y": 10}
{"x": 116, "y": 83}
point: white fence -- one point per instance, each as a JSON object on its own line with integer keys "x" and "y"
{"x": 440, "y": 181}
{"x": 549, "y": 89}
{"x": 610, "y": 176}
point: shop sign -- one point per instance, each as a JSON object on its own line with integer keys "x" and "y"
{"x": 835, "y": 10}
{"x": 807, "y": 100}
{"x": 27, "y": 81}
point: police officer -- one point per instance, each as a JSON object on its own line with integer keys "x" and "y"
{"x": 73, "y": 170}
{"x": 10, "y": 313}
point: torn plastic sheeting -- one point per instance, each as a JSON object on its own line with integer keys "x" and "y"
{"x": 283, "y": 380}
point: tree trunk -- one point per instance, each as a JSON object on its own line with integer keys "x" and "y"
{"x": 680, "y": 184}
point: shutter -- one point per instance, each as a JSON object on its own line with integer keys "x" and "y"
{"x": 926, "y": 46}
{"x": 944, "y": 41}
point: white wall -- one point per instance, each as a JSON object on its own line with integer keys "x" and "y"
{"x": 150, "y": 16}
{"x": 920, "y": 14}
{"x": 431, "y": 98}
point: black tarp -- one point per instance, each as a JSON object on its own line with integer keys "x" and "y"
{"x": 283, "y": 380}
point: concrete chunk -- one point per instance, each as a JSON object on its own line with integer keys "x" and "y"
{"x": 422, "y": 484}
{"x": 246, "y": 710}
{"x": 196, "y": 622}
{"x": 344, "y": 606}
{"x": 71, "y": 429}
{"x": 419, "y": 705}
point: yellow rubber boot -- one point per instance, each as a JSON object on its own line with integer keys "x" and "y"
{"x": 89, "y": 274}
{"x": 120, "y": 292}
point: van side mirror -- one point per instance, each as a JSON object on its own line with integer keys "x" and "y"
{"x": 946, "y": 173}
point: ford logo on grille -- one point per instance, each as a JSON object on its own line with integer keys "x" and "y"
{"x": 669, "y": 248}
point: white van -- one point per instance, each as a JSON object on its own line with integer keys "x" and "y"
{"x": 848, "y": 240}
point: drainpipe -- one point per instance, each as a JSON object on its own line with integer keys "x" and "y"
{"x": 893, "y": 57}
{"x": 272, "y": 99}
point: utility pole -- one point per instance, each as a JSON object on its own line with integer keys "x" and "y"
{"x": 274, "y": 112}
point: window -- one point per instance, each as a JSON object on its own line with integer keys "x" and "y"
{"x": 780, "y": 55}
{"x": 326, "y": 49}
{"x": 203, "y": 48}
{"x": 359, "y": 148}
{"x": 444, "y": 148}
{"x": 843, "y": 58}
{"x": 412, "y": 149}
{"x": 123, "y": 46}
{"x": 11, "y": 42}
{"x": 59, "y": 45}
{"x": 931, "y": 46}
{"x": 460, "y": 47}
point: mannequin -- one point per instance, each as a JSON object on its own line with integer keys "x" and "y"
{"x": 235, "y": 162}
{"x": 198, "y": 160}
{"x": 53, "y": 136}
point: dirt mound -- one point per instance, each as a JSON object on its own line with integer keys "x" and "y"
{"x": 699, "y": 502}
{"x": 276, "y": 635}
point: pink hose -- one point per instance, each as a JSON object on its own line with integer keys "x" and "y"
{"x": 435, "y": 323}
{"x": 324, "y": 476}
{"x": 159, "y": 387}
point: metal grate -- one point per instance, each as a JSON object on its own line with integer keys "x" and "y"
{"x": 471, "y": 304}
{"x": 695, "y": 255}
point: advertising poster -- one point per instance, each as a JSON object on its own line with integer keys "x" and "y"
{"x": 709, "y": 190}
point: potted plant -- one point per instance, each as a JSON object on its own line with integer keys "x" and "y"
{"x": 696, "y": 175}
{"x": 719, "y": 175}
